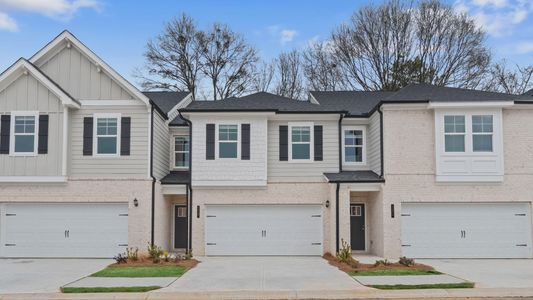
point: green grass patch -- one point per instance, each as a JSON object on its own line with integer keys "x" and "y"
{"x": 463, "y": 285}
{"x": 394, "y": 272}
{"x": 155, "y": 271}
{"x": 120, "y": 289}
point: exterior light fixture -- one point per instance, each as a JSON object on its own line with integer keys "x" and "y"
{"x": 327, "y": 203}
{"x": 135, "y": 202}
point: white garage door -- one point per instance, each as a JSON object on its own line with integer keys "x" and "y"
{"x": 263, "y": 230}
{"x": 466, "y": 230}
{"x": 63, "y": 230}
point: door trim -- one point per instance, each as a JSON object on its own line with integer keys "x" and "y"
{"x": 366, "y": 226}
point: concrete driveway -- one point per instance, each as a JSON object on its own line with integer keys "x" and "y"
{"x": 488, "y": 273}
{"x": 263, "y": 274}
{"x": 44, "y": 275}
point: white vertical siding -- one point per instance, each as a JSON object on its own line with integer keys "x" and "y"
{"x": 80, "y": 77}
{"x": 374, "y": 143}
{"x": 161, "y": 146}
{"x": 285, "y": 171}
{"x": 28, "y": 94}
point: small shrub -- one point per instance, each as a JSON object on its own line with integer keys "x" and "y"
{"x": 345, "y": 255}
{"x": 132, "y": 254}
{"x": 384, "y": 262}
{"x": 166, "y": 256}
{"x": 406, "y": 261}
{"x": 188, "y": 254}
{"x": 155, "y": 253}
{"x": 121, "y": 258}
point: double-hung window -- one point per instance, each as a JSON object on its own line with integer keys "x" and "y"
{"x": 24, "y": 133}
{"x": 454, "y": 133}
{"x": 107, "y": 134}
{"x": 301, "y": 142}
{"x": 353, "y": 142}
{"x": 181, "y": 152}
{"x": 482, "y": 132}
{"x": 228, "y": 141}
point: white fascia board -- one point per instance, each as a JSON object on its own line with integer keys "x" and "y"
{"x": 312, "y": 99}
{"x": 24, "y": 66}
{"x": 362, "y": 187}
{"x": 227, "y": 114}
{"x": 68, "y": 37}
{"x": 470, "y": 104}
{"x": 33, "y": 179}
{"x": 173, "y": 113}
{"x": 111, "y": 103}
{"x": 174, "y": 189}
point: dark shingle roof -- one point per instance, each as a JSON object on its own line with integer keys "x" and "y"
{"x": 165, "y": 101}
{"x": 354, "y": 176}
{"x": 176, "y": 177}
{"x": 178, "y": 121}
{"x": 427, "y": 92}
{"x": 261, "y": 101}
{"x": 356, "y": 103}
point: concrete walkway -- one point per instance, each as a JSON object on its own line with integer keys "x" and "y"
{"x": 407, "y": 279}
{"x": 121, "y": 281}
{"x": 263, "y": 274}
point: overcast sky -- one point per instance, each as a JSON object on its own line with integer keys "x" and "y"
{"x": 117, "y": 30}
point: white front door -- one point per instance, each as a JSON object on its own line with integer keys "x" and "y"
{"x": 466, "y": 230}
{"x": 63, "y": 230}
{"x": 263, "y": 230}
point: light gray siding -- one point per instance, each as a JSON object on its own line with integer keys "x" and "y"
{"x": 161, "y": 147}
{"x": 80, "y": 77}
{"x": 374, "y": 143}
{"x": 133, "y": 166}
{"x": 285, "y": 171}
{"x": 28, "y": 94}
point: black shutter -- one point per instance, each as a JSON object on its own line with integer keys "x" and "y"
{"x": 5, "y": 124}
{"x": 283, "y": 143}
{"x": 88, "y": 136}
{"x": 125, "y": 134}
{"x": 318, "y": 142}
{"x": 245, "y": 141}
{"x": 43, "y": 135}
{"x": 210, "y": 141}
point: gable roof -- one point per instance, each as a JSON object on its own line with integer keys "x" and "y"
{"x": 166, "y": 101}
{"x": 22, "y": 65}
{"x": 357, "y": 103}
{"x": 59, "y": 42}
{"x": 426, "y": 92}
{"x": 258, "y": 102}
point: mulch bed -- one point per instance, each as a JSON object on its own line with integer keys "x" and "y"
{"x": 145, "y": 261}
{"x": 368, "y": 267}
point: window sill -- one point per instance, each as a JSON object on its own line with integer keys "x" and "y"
{"x": 468, "y": 178}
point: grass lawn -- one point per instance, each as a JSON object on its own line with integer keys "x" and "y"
{"x": 394, "y": 272}
{"x": 464, "y": 285}
{"x": 130, "y": 289}
{"x": 152, "y": 271}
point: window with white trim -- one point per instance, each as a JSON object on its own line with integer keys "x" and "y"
{"x": 300, "y": 141}
{"x": 24, "y": 127}
{"x": 107, "y": 134}
{"x": 228, "y": 141}
{"x": 454, "y": 133}
{"x": 354, "y": 145}
{"x": 482, "y": 131}
{"x": 181, "y": 151}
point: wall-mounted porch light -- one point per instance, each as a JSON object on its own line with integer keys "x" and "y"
{"x": 327, "y": 203}
{"x": 135, "y": 202}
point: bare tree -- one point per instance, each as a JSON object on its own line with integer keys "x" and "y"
{"x": 173, "y": 59}
{"x": 228, "y": 61}
{"x": 512, "y": 81}
{"x": 289, "y": 77}
{"x": 263, "y": 76}
{"x": 320, "y": 67}
{"x": 445, "y": 45}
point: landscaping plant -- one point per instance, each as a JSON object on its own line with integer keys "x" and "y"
{"x": 345, "y": 254}
{"x": 384, "y": 262}
{"x": 406, "y": 261}
{"x": 133, "y": 254}
{"x": 121, "y": 258}
{"x": 155, "y": 253}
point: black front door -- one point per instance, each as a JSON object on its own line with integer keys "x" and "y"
{"x": 180, "y": 227}
{"x": 357, "y": 226}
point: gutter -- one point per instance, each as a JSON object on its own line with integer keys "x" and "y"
{"x": 381, "y": 142}
{"x": 189, "y": 186}
{"x": 338, "y": 187}
{"x": 152, "y": 224}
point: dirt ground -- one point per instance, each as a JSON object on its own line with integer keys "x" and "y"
{"x": 145, "y": 261}
{"x": 357, "y": 267}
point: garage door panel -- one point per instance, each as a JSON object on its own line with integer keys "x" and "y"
{"x": 263, "y": 230}
{"x": 65, "y": 229}
{"x": 466, "y": 230}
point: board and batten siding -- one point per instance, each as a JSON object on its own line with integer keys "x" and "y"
{"x": 232, "y": 172}
{"x": 373, "y": 150}
{"x": 77, "y": 75}
{"x": 313, "y": 171}
{"x": 27, "y": 94}
{"x": 133, "y": 166}
{"x": 161, "y": 146}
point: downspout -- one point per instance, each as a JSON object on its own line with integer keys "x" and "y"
{"x": 189, "y": 186}
{"x": 381, "y": 141}
{"x": 152, "y": 173}
{"x": 338, "y": 186}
